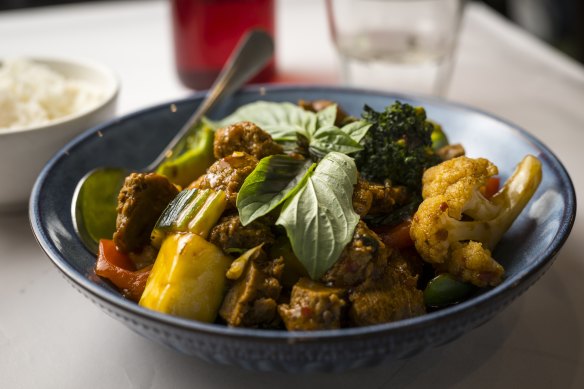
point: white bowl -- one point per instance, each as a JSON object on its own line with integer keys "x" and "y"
{"x": 24, "y": 151}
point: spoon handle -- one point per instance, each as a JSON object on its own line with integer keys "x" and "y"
{"x": 252, "y": 53}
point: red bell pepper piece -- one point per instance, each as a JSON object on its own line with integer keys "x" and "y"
{"x": 120, "y": 270}
{"x": 491, "y": 187}
{"x": 398, "y": 236}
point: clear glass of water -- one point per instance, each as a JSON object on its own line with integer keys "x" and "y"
{"x": 396, "y": 45}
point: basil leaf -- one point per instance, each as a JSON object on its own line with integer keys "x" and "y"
{"x": 331, "y": 138}
{"x": 273, "y": 180}
{"x": 285, "y": 121}
{"x": 319, "y": 219}
{"x": 327, "y": 116}
{"x": 281, "y": 120}
{"x": 356, "y": 130}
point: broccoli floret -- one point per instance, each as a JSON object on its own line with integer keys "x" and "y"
{"x": 456, "y": 227}
{"x": 398, "y": 145}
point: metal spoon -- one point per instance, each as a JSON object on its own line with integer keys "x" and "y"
{"x": 95, "y": 197}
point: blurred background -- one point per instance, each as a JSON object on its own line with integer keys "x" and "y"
{"x": 558, "y": 22}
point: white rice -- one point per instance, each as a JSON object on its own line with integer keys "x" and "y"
{"x": 31, "y": 94}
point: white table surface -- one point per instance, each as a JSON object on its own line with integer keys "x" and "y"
{"x": 52, "y": 337}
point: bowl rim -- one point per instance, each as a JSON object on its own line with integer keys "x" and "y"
{"x": 525, "y": 277}
{"x": 113, "y": 90}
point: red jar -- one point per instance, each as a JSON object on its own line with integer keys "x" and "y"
{"x": 206, "y": 31}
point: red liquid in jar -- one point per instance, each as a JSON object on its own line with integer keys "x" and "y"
{"x": 206, "y": 31}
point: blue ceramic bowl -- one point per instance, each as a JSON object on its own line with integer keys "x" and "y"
{"x": 527, "y": 250}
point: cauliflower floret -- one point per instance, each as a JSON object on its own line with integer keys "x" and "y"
{"x": 472, "y": 262}
{"x": 456, "y": 227}
{"x": 460, "y": 179}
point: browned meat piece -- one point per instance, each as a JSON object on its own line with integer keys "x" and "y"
{"x": 364, "y": 257}
{"x": 227, "y": 174}
{"x": 246, "y": 137}
{"x": 318, "y": 105}
{"x": 313, "y": 306}
{"x": 387, "y": 197}
{"x": 408, "y": 261}
{"x": 372, "y": 198}
{"x": 450, "y": 151}
{"x": 142, "y": 199}
{"x": 394, "y": 296}
{"x": 362, "y": 198}
{"x": 229, "y": 233}
{"x": 251, "y": 301}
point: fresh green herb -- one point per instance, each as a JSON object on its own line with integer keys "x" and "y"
{"x": 326, "y": 117}
{"x": 319, "y": 218}
{"x": 331, "y": 138}
{"x": 273, "y": 180}
{"x": 291, "y": 125}
{"x": 281, "y": 120}
{"x": 317, "y": 210}
{"x": 356, "y": 130}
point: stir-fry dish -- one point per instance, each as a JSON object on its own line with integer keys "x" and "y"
{"x": 301, "y": 217}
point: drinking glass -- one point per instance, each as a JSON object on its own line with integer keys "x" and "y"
{"x": 398, "y": 45}
{"x": 206, "y": 31}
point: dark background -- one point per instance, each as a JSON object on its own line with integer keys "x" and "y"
{"x": 558, "y": 22}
